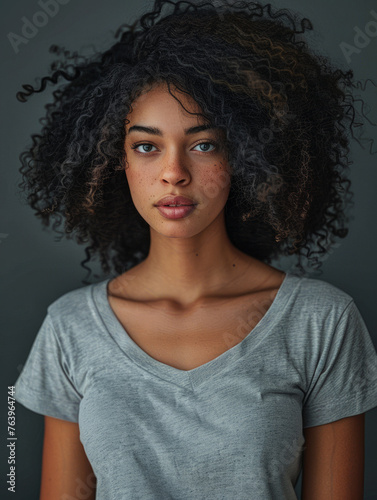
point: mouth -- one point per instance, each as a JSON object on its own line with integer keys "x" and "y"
{"x": 175, "y": 211}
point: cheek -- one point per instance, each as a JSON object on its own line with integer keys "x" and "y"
{"x": 216, "y": 183}
{"x": 141, "y": 186}
{"x": 134, "y": 185}
{"x": 136, "y": 180}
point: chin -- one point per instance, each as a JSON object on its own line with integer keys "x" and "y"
{"x": 176, "y": 229}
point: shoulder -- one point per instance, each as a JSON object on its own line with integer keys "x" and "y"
{"x": 76, "y": 323}
{"x": 319, "y": 293}
{"x": 73, "y": 307}
{"x": 312, "y": 308}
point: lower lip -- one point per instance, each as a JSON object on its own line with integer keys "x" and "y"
{"x": 176, "y": 212}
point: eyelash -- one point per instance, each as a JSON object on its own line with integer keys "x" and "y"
{"x": 136, "y": 145}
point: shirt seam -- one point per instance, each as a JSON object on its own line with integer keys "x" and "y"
{"x": 341, "y": 401}
{"x": 36, "y": 391}
{"x": 61, "y": 349}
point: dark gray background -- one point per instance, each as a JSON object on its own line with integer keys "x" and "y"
{"x": 36, "y": 269}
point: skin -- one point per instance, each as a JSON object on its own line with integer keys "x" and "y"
{"x": 333, "y": 460}
{"x": 184, "y": 258}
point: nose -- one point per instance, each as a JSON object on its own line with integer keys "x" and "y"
{"x": 174, "y": 169}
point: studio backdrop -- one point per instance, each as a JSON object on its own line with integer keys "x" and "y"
{"x": 37, "y": 266}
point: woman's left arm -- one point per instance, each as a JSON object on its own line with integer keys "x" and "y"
{"x": 333, "y": 460}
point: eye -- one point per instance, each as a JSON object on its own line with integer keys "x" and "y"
{"x": 145, "y": 144}
{"x": 206, "y": 150}
{"x": 147, "y": 148}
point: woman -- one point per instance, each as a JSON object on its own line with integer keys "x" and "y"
{"x": 204, "y": 143}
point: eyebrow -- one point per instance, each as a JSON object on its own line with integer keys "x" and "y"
{"x": 157, "y": 131}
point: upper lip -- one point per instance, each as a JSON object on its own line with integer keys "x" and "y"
{"x": 175, "y": 200}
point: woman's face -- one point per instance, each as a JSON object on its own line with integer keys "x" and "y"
{"x": 173, "y": 160}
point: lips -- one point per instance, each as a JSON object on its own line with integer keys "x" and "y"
{"x": 176, "y": 212}
{"x": 175, "y": 201}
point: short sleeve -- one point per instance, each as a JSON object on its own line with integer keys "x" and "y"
{"x": 45, "y": 385}
{"x": 345, "y": 382}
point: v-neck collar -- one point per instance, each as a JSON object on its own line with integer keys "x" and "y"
{"x": 189, "y": 379}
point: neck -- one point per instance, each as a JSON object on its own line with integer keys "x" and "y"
{"x": 189, "y": 269}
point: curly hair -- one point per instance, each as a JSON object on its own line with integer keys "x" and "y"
{"x": 287, "y": 114}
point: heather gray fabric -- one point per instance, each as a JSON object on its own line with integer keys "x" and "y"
{"x": 229, "y": 429}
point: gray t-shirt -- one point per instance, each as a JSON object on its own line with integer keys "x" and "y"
{"x": 229, "y": 429}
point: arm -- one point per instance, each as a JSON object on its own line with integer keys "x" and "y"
{"x": 66, "y": 470}
{"x": 333, "y": 460}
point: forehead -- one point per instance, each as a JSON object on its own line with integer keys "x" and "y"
{"x": 171, "y": 114}
{"x": 158, "y": 102}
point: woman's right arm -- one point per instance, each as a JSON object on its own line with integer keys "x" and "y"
{"x": 66, "y": 470}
